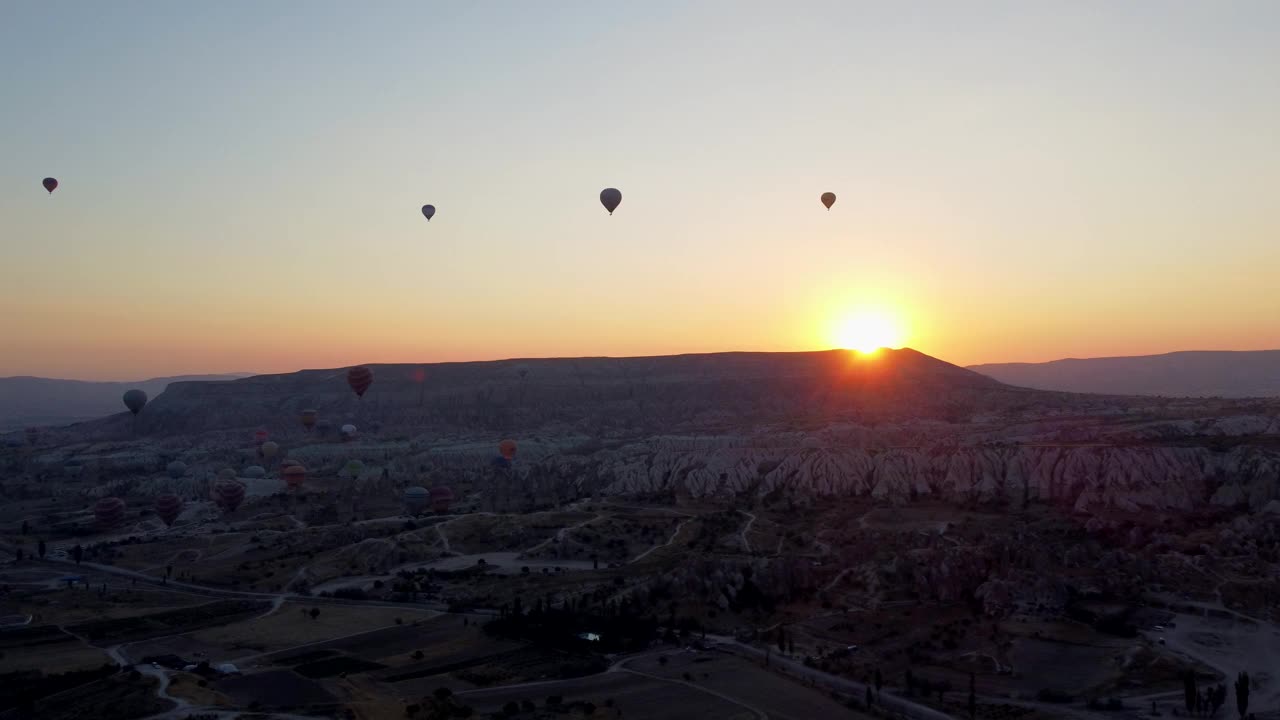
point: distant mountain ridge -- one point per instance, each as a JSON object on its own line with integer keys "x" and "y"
{"x": 1195, "y": 373}
{"x": 27, "y": 400}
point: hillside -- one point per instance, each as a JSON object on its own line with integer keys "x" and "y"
{"x": 1178, "y": 374}
{"x": 49, "y": 401}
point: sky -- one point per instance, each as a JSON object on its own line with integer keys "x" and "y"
{"x": 240, "y": 182}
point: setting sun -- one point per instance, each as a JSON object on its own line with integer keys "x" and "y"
{"x": 868, "y": 330}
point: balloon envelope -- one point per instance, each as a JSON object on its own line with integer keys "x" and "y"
{"x": 415, "y": 499}
{"x": 135, "y": 400}
{"x": 176, "y": 469}
{"x": 828, "y": 199}
{"x": 294, "y": 476}
{"x": 309, "y": 418}
{"x": 50, "y": 184}
{"x": 611, "y": 198}
{"x": 428, "y": 211}
{"x": 255, "y": 471}
{"x": 348, "y": 431}
{"x": 269, "y": 449}
{"x": 360, "y": 378}
{"x": 109, "y": 512}
{"x": 168, "y": 508}
{"x": 507, "y": 448}
{"x": 441, "y": 498}
{"x": 229, "y": 494}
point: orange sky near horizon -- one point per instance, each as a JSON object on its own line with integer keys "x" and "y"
{"x": 240, "y": 182}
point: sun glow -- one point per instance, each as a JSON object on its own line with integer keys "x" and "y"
{"x": 868, "y": 330}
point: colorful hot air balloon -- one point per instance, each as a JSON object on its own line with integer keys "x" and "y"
{"x": 294, "y": 476}
{"x": 168, "y": 508}
{"x": 255, "y": 472}
{"x": 228, "y": 494}
{"x": 259, "y": 437}
{"x": 441, "y": 498}
{"x": 309, "y": 419}
{"x": 135, "y": 400}
{"x": 428, "y": 212}
{"x": 828, "y": 199}
{"x": 353, "y": 469}
{"x": 611, "y": 198}
{"x": 349, "y": 432}
{"x": 360, "y": 378}
{"x": 269, "y": 449}
{"x": 176, "y": 469}
{"x": 507, "y": 448}
{"x": 109, "y": 512}
{"x": 50, "y": 184}
{"x": 415, "y": 499}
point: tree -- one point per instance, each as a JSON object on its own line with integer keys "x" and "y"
{"x": 880, "y": 680}
{"x": 1242, "y": 693}
{"x": 868, "y": 699}
{"x": 511, "y": 709}
{"x": 77, "y": 553}
{"x": 18, "y": 554}
{"x": 973, "y": 698}
{"x": 1189, "y": 690}
{"x": 911, "y": 682}
{"x": 315, "y": 613}
{"x": 441, "y": 693}
{"x": 40, "y": 548}
{"x": 26, "y": 527}
{"x": 782, "y": 640}
{"x": 527, "y": 706}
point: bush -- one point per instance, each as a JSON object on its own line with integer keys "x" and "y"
{"x": 511, "y": 709}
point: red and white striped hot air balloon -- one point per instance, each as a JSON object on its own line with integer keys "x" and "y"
{"x": 168, "y": 508}
{"x": 360, "y": 378}
{"x": 228, "y": 494}
{"x": 109, "y": 512}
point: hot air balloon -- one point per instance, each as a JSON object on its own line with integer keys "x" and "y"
{"x": 309, "y": 419}
{"x": 324, "y": 428}
{"x": 50, "y": 184}
{"x": 256, "y": 472}
{"x": 507, "y": 448}
{"x": 294, "y": 476}
{"x": 348, "y": 432}
{"x": 428, "y": 212}
{"x": 353, "y": 469}
{"x": 227, "y": 474}
{"x": 828, "y": 199}
{"x": 441, "y": 497}
{"x": 269, "y": 449}
{"x": 415, "y": 499}
{"x": 611, "y": 198}
{"x": 360, "y": 378}
{"x": 228, "y": 494}
{"x": 109, "y": 512}
{"x": 176, "y": 469}
{"x": 135, "y": 400}
{"x": 259, "y": 437}
{"x": 168, "y": 508}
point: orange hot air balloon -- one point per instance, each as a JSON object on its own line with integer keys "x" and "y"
{"x": 294, "y": 476}
{"x": 109, "y": 512}
{"x": 168, "y": 508}
{"x": 309, "y": 419}
{"x": 360, "y": 378}
{"x": 828, "y": 199}
{"x": 50, "y": 184}
{"x": 507, "y": 448}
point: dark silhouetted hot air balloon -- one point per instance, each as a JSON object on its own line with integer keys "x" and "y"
{"x": 294, "y": 476}
{"x": 135, "y": 400}
{"x": 360, "y": 378}
{"x": 269, "y": 449}
{"x": 176, "y": 469}
{"x": 507, "y": 448}
{"x": 428, "y": 212}
{"x": 227, "y": 474}
{"x": 168, "y": 508}
{"x": 109, "y": 512}
{"x": 415, "y": 499}
{"x": 349, "y": 432}
{"x": 309, "y": 419}
{"x": 256, "y": 472}
{"x": 611, "y": 198}
{"x": 228, "y": 494}
{"x": 441, "y": 498}
{"x": 50, "y": 184}
{"x": 828, "y": 199}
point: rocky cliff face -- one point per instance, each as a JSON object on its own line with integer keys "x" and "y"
{"x": 899, "y": 427}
